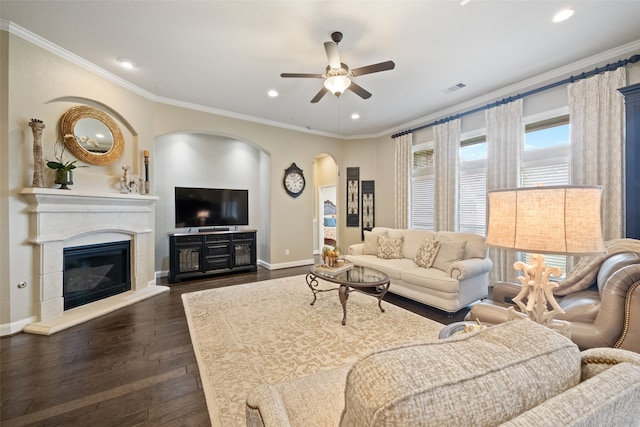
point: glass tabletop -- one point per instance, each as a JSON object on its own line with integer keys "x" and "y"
{"x": 355, "y": 276}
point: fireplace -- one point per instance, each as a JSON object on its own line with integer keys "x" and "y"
{"x": 61, "y": 223}
{"x": 94, "y": 272}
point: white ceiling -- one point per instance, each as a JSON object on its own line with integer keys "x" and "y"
{"x": 223, "y": 56}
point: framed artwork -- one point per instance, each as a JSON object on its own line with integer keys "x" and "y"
{"x": 353, "y": 197}
{"x": 368, "y": 206}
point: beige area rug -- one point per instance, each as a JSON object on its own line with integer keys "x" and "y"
{"x": 267, "y": 331}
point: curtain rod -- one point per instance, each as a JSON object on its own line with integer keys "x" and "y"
{"x": 571, "y": 79}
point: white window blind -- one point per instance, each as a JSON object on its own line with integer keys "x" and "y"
{"x": 473, "y": 202}
{"x": 422, "y": 206}
{"x": 422, "y": 187}
{"x": 549, "y": 174}
{"x": 422, "y": 158}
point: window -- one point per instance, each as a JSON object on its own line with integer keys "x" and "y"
{"x": 473, "y": 186}
{"x": 545, "y": 161}
{"x": 422, "y": 187}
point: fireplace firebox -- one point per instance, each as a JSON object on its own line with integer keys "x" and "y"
{"x": 94, "y": 272}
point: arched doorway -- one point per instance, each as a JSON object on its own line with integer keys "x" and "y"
{"x": 326, "y": 180}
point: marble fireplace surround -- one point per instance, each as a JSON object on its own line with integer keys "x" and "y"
{"x": 62, "y": 219}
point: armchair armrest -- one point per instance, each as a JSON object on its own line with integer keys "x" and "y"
{"x": 504, "y": 292}
{"x": 356, "y": 249}
{"x": 469, "y": 268}
{"x": 620, "y": 305}
{"x": 594, "y": 402}
{"x": 597, "y": 360}
{"x": 264, "y": 407}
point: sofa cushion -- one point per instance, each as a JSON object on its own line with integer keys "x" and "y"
{"x": 371, "y": 241}
{"x": 481, "y": 378}
{"x": 475, "y": 248}
{"x": 430, "y": 278}
{"x": 413, "y": 240}
{"x": 390, "y": 247}
{"x": 427, "y": 253}
{"x": 449, "y": 252}
{"x": 391, "y": 267}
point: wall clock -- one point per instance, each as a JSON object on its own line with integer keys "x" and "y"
{"x": 293, "y": 180}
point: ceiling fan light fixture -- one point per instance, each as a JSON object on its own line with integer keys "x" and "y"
{"x": 337, "y": 84}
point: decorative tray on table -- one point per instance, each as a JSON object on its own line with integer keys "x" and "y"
{"x": 325, "y": 269}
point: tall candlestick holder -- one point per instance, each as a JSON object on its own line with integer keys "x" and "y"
{"x": 37, "y": 126}
{"x": 146, "y": 172}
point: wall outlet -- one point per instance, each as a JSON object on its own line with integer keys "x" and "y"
{"x": 286, "y": 251}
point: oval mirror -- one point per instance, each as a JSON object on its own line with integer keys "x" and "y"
{"x": 91, "y": 135}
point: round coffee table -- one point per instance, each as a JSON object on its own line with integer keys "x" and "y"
{"x": 356, "y": 278}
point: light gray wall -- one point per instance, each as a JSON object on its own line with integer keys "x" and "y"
{"x": 203, "y": 161}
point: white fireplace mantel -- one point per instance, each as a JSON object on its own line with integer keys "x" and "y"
{"x": 66, "y": 218}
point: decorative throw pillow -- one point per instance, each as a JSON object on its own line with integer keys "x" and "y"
{"x": 329, "y": 222}
{"x": 390, "y": 247}
{"x": 427, "y": 253}
{"x": 450, "y": 251}
{"x": 371, "y": 242}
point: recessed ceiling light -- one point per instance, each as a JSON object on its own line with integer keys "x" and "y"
{"x": 127, "y": 63}
{"x": 355, "y": 116}
{"x": 563, "y": 15}
{"x": 272, "y": 93}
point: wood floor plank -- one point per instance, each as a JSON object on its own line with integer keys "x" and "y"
{"x": 131, "y": 367}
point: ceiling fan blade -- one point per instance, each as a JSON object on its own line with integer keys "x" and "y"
{"x": 332, "y": 54}
{"x": 319, "y": 95}
{"x": 375, "y": 68}
{"x": 302, "y": 75}
{"x": 358, "y": 90}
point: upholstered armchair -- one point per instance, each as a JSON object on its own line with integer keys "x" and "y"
{"x": 605, "y": 314}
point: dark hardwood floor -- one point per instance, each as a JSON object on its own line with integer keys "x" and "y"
{"x": 132, "y": 367}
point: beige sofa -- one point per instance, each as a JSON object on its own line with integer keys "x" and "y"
{"x": 513, "y": 374}
{"x": 459, "y": 274}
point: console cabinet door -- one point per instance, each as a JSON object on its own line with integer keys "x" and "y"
{"x": 244, "y": 249}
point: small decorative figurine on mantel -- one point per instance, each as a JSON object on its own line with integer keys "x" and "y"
{"x": 128, "y": 182}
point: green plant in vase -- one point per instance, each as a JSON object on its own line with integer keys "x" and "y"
{"x": 64, "y": 174}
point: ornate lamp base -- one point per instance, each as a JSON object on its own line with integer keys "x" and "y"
{"x": 538, "y": 292}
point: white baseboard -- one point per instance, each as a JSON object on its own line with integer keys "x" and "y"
{"x": 15, "y": 327}
{"x": 286, "y": 264}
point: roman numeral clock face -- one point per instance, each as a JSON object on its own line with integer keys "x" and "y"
{"x": 293, "y": 180}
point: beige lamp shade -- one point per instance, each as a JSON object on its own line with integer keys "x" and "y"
{"x": 549, "y": 220}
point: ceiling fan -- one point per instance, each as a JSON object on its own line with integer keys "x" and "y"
{"x": 338, "y": 76}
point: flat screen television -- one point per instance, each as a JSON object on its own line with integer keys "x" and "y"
{"x": 211, "y": 207}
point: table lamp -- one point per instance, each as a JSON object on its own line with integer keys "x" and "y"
{"x": 551, "y": 220}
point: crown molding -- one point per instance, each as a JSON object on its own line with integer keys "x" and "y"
{"x": 91, "y": 67}
{"x": 536, "y": 81}
{"x": 576, "y": 67}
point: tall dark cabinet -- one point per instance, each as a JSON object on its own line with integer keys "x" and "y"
{"x": 632, "y": 175}
{"x": 195, "y": 255}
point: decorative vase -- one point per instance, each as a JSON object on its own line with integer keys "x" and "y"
{"x": 64, "y": 178}
{"x": 37, "y": 126}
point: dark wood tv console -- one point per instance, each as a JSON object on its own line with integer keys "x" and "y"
{"x": 196, "y": 255}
